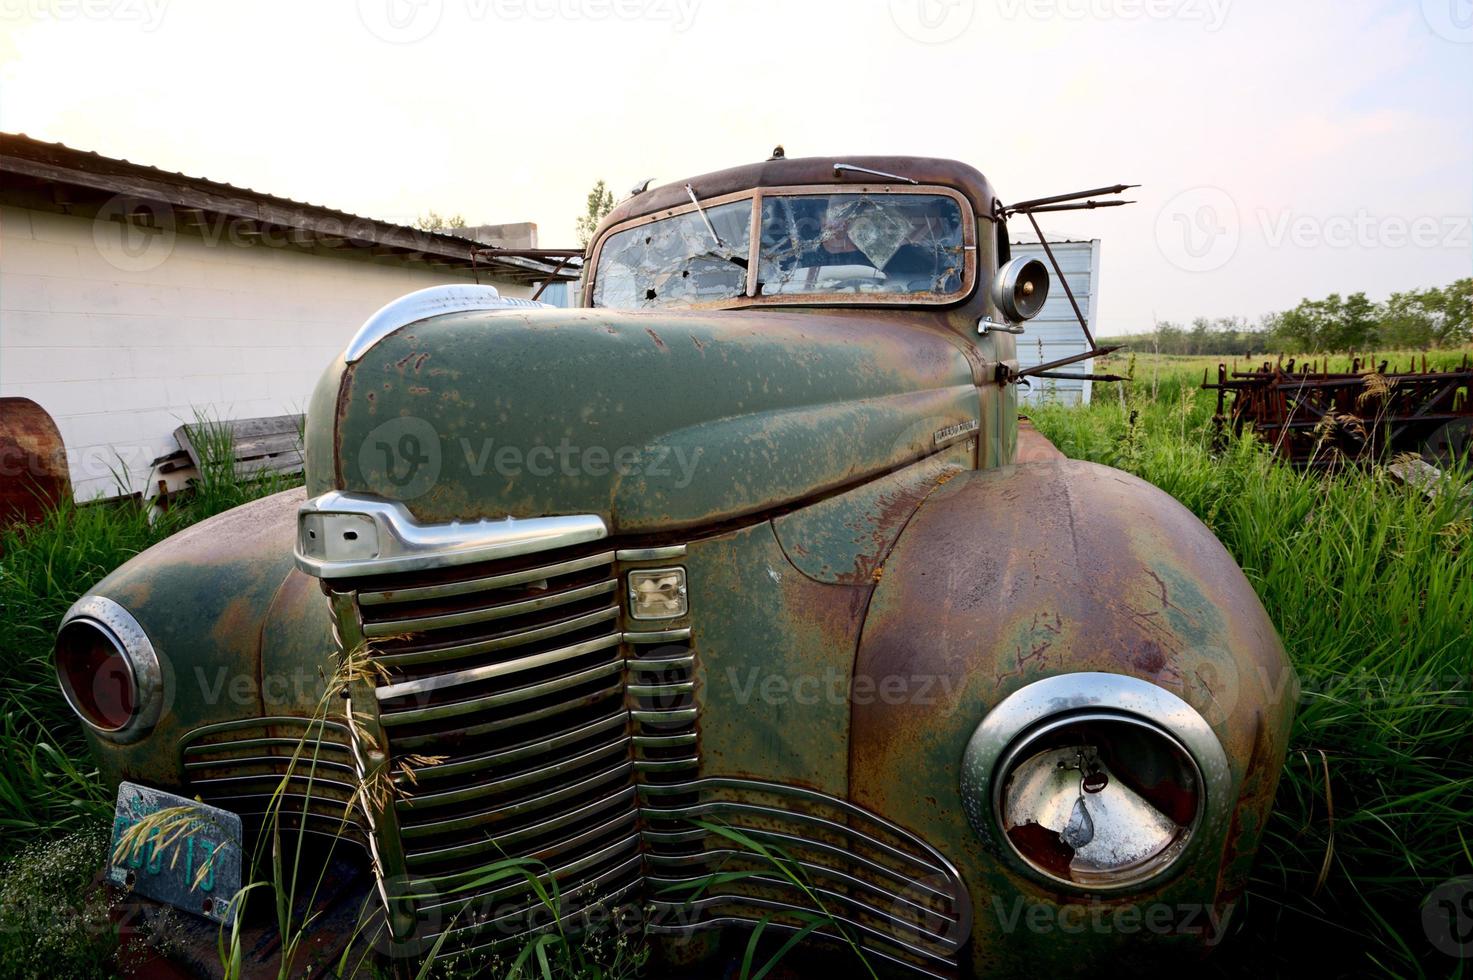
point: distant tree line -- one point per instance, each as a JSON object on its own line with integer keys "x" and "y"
{"x": 1420, "y": 319}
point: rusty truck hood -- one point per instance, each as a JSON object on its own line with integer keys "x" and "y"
{"x": 652, "y": 421}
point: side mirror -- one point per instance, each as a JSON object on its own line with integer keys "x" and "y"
{"x": 1020, "y": 288}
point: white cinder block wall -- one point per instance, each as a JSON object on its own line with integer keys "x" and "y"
{"x": 124, "y": 339}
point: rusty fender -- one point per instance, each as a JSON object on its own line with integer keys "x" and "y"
{"x": 239, "y": 633}
{"x": 1009, "y": 576}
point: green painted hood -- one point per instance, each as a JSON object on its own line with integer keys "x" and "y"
{"x": 652, "y": 421}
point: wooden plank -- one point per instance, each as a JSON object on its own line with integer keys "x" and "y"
{"x": 270, "y": 444}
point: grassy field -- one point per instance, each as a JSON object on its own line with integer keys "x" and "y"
{"x": 1371, "y": 584}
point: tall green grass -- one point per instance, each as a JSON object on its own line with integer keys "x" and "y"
{"x": 46, "y": 782}
{"x": 1371, "y": 585}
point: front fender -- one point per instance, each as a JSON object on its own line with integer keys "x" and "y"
{"x": 238, "y": 631}
{"x": 1006, "y": 577}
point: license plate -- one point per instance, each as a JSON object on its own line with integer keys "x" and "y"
{"x": 175, "y": 850}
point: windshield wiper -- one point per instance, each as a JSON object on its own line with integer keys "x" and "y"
{"x": 702, "y": 212}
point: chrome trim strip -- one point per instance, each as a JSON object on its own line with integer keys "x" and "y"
{"x": 505, "y": 641}
{"x": 524, "y": 751}
{"x": 751, "y": 901}
{"x": 457, "y": 708}
{"x": 502, "y": 841}
{"x": 543, "y": 854}
{"x": 440, "y": 682}
{"x": 425, "y": 303}
{"x": 267, "y": 721}
{"x": 485, "y": 584}
{"x": 757, "y": 810}
{"x": 268, "y": 742}
{"x": 393, "y": 627}
{"x": 124, "y": 633}
{"x": 532, "y": 805}
{"x": 282, "y": 763}
{"x": 726, "y": 855}
{"x": 792, "y": 843}
{"x": 651, "y": 554}
{"x": 657, "y": 664}
{"x": 656, "y": 690}
{"x": 657, "y": 636}
{"x": 405, "y": 545}
{"x": 665, "y": 741}
{"x": 317, "y": 782}
{"x": 666, "y": 765}
{"x": 418, "y": 800}
{"x": 566, "y": 915}
{"x": 521, "y": 883}
{"x": 668, "y": 716}
{"x": 615, "y": 691}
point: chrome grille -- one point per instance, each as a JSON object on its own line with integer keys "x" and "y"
{"x": 563, "y": 734}
{"x": 511, "y": 676}
{"x": 241, "y": 765}
{"x": 892, "y": 893}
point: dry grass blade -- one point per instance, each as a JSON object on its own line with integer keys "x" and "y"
{"x": 1324, "y": 874}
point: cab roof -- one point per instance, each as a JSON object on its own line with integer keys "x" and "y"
{"x": 811, "y": 170}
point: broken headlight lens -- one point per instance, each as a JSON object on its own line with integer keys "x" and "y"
{"x": 1098, "y": 800}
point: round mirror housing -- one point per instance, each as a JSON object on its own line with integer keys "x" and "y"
{"x": 1020, "y": 288}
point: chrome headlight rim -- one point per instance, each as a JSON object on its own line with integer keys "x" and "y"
{"x": 1018, "y": 723}
{"x": 118, "y": 628}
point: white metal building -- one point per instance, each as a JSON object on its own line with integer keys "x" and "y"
{"x": 132, "y": 298}
{"x": 1055, "y": 333}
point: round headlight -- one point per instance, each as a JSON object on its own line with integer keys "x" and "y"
{"x": 1099, "y": 782}
{"x": 108, "y": 670}
{"x": 95, "y": 675}
{"x": 1097, "y": 799}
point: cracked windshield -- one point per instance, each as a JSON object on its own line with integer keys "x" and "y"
{"x": 853, "y": 243}
{"x": 677, "y": 261}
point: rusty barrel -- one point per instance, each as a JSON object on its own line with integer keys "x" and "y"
{"x": 33, "y": 466}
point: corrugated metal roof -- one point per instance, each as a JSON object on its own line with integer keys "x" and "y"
{"x": 61, "y": 165}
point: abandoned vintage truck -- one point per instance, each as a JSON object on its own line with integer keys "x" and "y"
{"x": 741, "y": 542}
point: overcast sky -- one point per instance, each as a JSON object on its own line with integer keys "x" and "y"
{"x": 1287, "y": 148}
